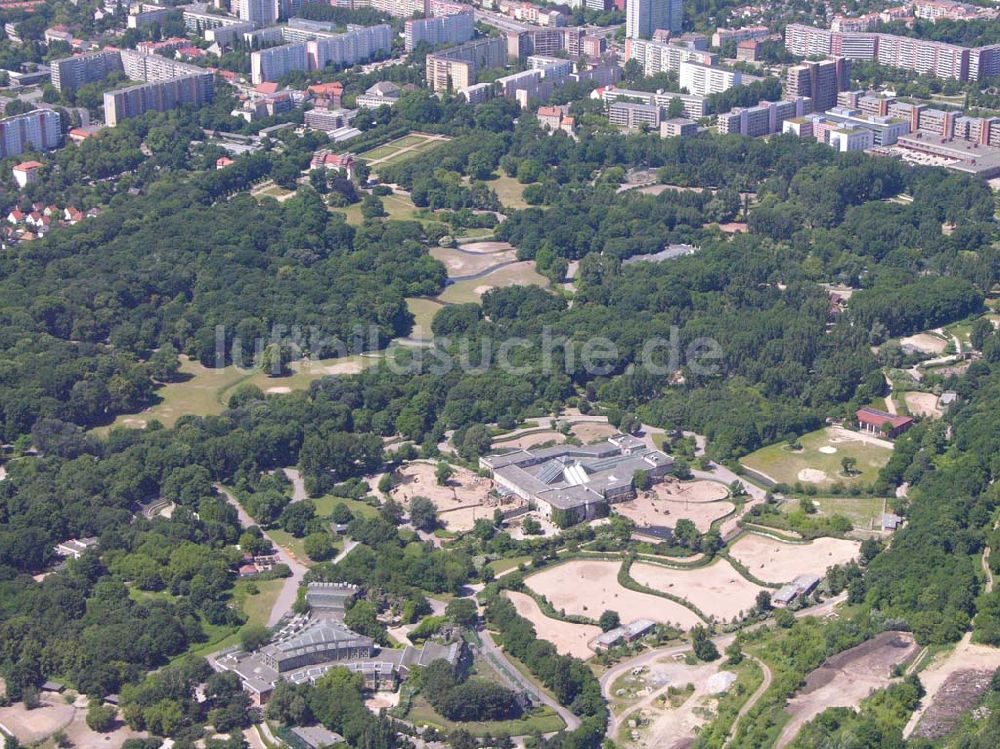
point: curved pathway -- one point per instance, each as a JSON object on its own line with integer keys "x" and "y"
{"x": 754, "y": 698}
{"x": 290, "y": 588}
{"x": 493, "y": 652}
{"x": 721, "y": 642}
{"x": 485, "y": 272}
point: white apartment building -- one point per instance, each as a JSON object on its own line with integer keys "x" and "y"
{"x": 703, "y": 80}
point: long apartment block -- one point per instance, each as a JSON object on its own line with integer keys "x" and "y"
{"x": 340, "y": 49}
{"x": 919, "y": 55}
{"x": 165, "y": 83}
{"x": 456, "y": 68}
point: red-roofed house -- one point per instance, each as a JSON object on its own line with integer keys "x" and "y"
{"x": 267, "y": 87}
{"x": 72, "y": 215}
{"x": 327, "y": 160}
{"x": 26, "y": 173}
{"x": 883, "y": 424}
{"x": 332, "y": 92}
{"x": 15, "y": 216}
{"x": 248, "y": 570}
{"x": 223, "y": 161}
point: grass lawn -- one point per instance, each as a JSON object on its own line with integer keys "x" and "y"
{"x": 257, "y": 607}
{"x": 400, "y": 149}
{"x": 863, "y": 512}
{"x": 810, "y": 465}
{"x": 399, "y": 208}
{"x": 423, "y": 315}
{"x": 502, "y": 565}
{"x": 291, "y": 544}
{"x": 509, "y": 191}
{"x": 205, "y": 391}
{"x": 543, "y": 720}
{"x": 325, "y": 505}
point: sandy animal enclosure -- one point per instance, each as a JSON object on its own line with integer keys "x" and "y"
{"x": 464, "y": 500}
{"x": 590, "y": 588}
{"x": 690, "y": 491}
{"x": 530, "y": 440}
{"x": 923, "y": 404}
{"x": 718, "y": 589}
{"x": 929, "y": 344}
{"x": 647, "y": 510}
{"x": 569, "y": 639}
{"x": 779, "y": 562}
{"x": 590, "y": 431}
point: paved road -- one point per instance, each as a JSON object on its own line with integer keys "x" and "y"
{"x": 290, "y": 589}
{"x": 493, "y": 651}
{"x": 298, "y": 484}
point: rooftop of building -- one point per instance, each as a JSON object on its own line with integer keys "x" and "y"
{"x": 568, "y": 476}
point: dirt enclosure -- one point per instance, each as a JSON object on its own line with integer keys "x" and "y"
{"x": 530, "y": 440}
{"x": 663, "y": 725}
{"x": 923, "y": 404}
{"x": 569, "y": 639}
{"x": 847, "y": 678}
{"x": 925, "y": 342}
{"x": 463, "y": 501}
{"x": 55, "y": 714}
{"x": 589, "y": 588}
{"x": 589, "y": 432}
{"x": 649, "y": 511}
{"x": 673, "y": 490}
{"x": 718, "y": 589}
{"x": 780, "y": 562}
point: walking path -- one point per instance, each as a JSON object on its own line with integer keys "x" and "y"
{"x": 721, "y": 643}
{"x": 754, "y": 698}
{"x": 290, "y": 588}
{"x": 494, "y": 653}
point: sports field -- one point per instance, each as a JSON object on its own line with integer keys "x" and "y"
{"x": 819, "y": 460}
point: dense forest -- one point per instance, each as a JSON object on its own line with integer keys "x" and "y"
{"x": 96, "y": 315}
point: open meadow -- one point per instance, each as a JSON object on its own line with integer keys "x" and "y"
{"x": 205, "y": 391}
{"x": 819, "y": 460}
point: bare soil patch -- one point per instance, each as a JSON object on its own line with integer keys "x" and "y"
{"x": 569, "y": 639}
{"x": 648, "y": 510}
{"x": 958, "y": 694}
{"x": 929, "y": 344}
{"x": 673, "y": 490}
{"x": 589, "y": 588}
{"x": 590, "y": 431}
{"x": 530, "y": 440}
{"x": 847, "y": 678}
{"x": 718, "y": 589}
{"x": 948, "y": 680}
{"x": 666, "y": 725}
{"x": 923, "y": 404}
{"x": 779, "y": 562}
{"x": 487, "y": 248}
{"x": 461, "y": 263}
{"x": 460, "y": 503}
